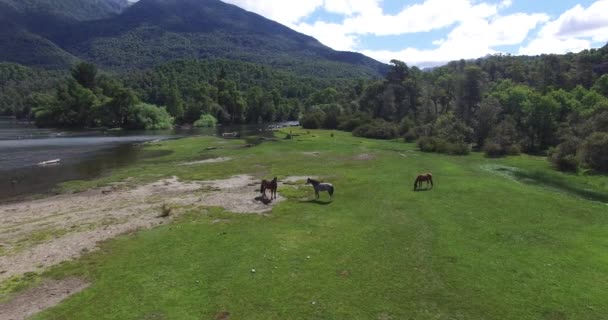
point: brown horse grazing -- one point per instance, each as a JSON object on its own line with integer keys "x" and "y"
{"x": 272, "y": 185}
{"x": 422, "y": 178}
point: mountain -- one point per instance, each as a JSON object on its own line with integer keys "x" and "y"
{"x": 152, "y": 32}
{"x": 80, "y": 10}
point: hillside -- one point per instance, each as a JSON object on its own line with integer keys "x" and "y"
{"x": 151, "y": 32}
{"x": 80, "y": 10}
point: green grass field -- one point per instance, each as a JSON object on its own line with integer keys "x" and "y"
{"x": 494, "y": 239}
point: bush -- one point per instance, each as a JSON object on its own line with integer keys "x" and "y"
{"x": 459, "y": 149}
{"x": 206, "y": 120}
{"x": 493, "y": 149}
{"x": 513, "y": 150}
{"x": 312, "y": 120}
{"x": 563, "y": 157}
{"x": 351, "y": 122}
{"x": 379, "y": 129}
{"x": 594, "y": 151}
{"x": 427, "y": 144}
{"x": 148, "y": 117}
{"x": 406, "y": 125}
{"x": 410, "y": 136}
{"x": 434, "y": 144}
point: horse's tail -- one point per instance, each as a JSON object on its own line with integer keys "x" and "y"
{"x": 431, "y": 179}
{"x": 262, "y": 186}
{"x": 331, "y": 191}
{"x": 415, "y": 183}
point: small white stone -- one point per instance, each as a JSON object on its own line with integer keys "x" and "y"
{"x": 314, "y": 302}
{"x": 253, "y": 270}
{"x": 308, "y": 257}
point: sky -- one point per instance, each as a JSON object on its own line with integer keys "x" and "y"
{"x": 428, "y": 33}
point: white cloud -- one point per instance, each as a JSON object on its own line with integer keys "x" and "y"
{"x": 330, "y": 34}
{"x": 573, "y": 31}
{"x": 421, "y": 17}
{"x": 470, "y": 39}
{"x": 285, "y": 12}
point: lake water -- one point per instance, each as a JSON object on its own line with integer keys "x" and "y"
{"x": 84, "y": 154}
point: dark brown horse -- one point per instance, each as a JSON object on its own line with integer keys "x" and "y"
{"x": 272, "y": 185}
{"x": 422, "y": 178}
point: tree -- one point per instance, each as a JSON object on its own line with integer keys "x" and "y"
{"x": 398, "y": 72}
{"x": 487, "y": 117}
{"x": 172, "y": 99}
{"x": 85, "y": 74}
{"x": 540, "y": 121}
{"x": 594, "y": 151}
{"x": 601, "y": 85}
{"x": 451, "y": 129}
{"x": 470, "y": 92}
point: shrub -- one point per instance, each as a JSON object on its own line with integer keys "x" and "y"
{"x": 459, "y": 149}
{"x": 594, "y": 151}
{"x": 148, "y": 117}
{"x": 351, "y": 122}
{"x": 563, "y": 157}
{"x": 426, "y": 144}
{"x": 406, "y": 125}
{"x": 206, "y": 120}
{"x": 513, "y": 150}
{"x": 312, "y": 120}
{"x": 410, "y": 136}
{"x": 379, "y": 129}
{"x": 493, "y": 149}
{"x": 434, "y": 144}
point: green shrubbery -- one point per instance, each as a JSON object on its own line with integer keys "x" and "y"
{"x": 503, "y": 140}
{"x": 206, "y": 120}
{"x": 312, "y": 120}
{"x": 378, "y": 129}
{"x": 563, "y": 157}
{"x": 145, "y": 116}
{"x": 447, "y": 135}
{"x": 594, "y": 151}
{"x": 434, "y": 144}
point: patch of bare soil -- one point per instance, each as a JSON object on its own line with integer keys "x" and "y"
{"x": 213, "y": 160}
{"x": 365, "y": 157}
{"x": 35, "y": 235}
{"x": 235, "y": 195}
{"x": 34, "y": 300}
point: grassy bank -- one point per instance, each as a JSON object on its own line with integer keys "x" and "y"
{"x": 481, "y": 244}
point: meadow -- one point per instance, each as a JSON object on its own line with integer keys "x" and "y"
{"x": 502, "y": 238}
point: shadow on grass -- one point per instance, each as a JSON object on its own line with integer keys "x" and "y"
{"x": 547, "y": 180}
{"x": 542, "y": 179}
{"x": 423, "y": 190}
{"x": 316, "y": 201}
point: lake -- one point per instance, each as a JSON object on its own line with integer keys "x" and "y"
{"x": 84, "y": 154}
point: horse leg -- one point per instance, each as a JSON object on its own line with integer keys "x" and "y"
{"x": 317, "y": 193}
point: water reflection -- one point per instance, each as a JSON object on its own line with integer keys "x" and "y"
{"x": 84, "y": 154}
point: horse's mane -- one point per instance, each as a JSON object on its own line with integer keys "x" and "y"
{"x": 313, "y": 181}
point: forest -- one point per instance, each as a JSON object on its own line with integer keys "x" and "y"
{"x": 551, "y": 104}
{"x": 555, "y": 105}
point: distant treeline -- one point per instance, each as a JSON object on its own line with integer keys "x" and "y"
{"x": 230, "y": 91}
{"x": 551, "y": 104}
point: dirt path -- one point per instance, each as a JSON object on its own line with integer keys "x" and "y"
{"x": 35, "y": 235}
{"x": 34, "y": 300}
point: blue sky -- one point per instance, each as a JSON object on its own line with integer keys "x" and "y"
{"x": 433, "y": 32}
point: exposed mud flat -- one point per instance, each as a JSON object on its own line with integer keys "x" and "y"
{"x": 35, "y": 235}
